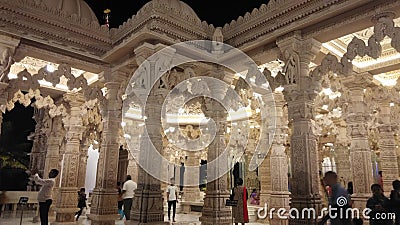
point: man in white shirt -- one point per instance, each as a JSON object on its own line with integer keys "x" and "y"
{"x": 45, "y": 194}
{"x": 172, "y": 198}
{"x": 128, "y": 191}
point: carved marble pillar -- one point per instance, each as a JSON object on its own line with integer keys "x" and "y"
{"x": 55, "y": 136}
{"x": 123, "y": 164}
{"x": 342, "y": 160}
{"x": 37, "y": 156}
{"x": 66, "y": 205}
{"x": 54, "y": 140}
{"x": 279, "y": 164}
{"x": 264, "y": 172}
{"x": 192, "y": 193}
{"x": 300, "y": 93}
{"x": 342, "y": 151}
{"x": 132, "y": 168}
{"x": 104, "y": 200}
{"x": 3, "y": 100}
{"x": 360, "y": 153}
{"x": 214, "y": 209}
{"x": 1, "y": 121}
{"x": 83, "y": 156}
{"x": 8, "y": 47}
{"x": 148, "y": 204}
{"x": 387, "y": 143}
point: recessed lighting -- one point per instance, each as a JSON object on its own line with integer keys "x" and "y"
{"x": 50, "y": 68}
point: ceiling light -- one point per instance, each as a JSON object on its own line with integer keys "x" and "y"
{"x": 50, "y": 68}
{"x": 327, "y": 91}
{"x": 279, "y": 89}
{"x": 12, "y": 76}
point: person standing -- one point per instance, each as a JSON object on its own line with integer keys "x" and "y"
{"x": 45, "y": 194}
{"x": 395, "y": 201}
{"x": 120, "y": 201}
{"x": 378, "y": 204}
{"x": 339, "y": 199}
{"x": 240, "y": 213}
{"x": 128, "y": 191}
{"x": 380, "y": 179}
{"x": 172, "y": 198}
{"x": 81, "y": 202}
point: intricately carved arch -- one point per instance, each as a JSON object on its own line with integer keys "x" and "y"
{"x": 25, "y": 81}
{"x": 41, "y": 102}
{"x": 384, "y": 27}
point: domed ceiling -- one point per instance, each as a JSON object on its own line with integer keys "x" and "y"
{"x": 213, "y": 12}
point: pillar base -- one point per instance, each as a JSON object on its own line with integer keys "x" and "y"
{"x": 65, "y": 216}
{"x": 103, "y": 219}
{"x": 360, "y": 201}
{"x": 214, "y": 209}
{"x": 130, "y": 222}
{"x": 64, "y": 223}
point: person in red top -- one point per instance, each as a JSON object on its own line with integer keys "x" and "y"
{"x": 240, "y": 213}
{"x": 380, "y": 179}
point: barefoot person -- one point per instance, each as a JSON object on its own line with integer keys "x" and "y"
{"x": 44, "y": 195}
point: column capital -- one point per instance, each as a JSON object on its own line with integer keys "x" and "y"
{"x": 7, "y": 51}
{"x": 357, "y": 82}
{"x": 75, "y": 99}
{"x": 295, "y": 42}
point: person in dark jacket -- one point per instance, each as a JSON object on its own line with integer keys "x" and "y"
{"x": 378, "y": 204}
{"x": 395, "y": 201}
{"x": 81, "y": 202}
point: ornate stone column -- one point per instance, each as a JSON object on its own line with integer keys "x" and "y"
{"x": 300, "y": 93}
{"x": 387, "y": 143}
{"x": 264, "y": 171}
{"x": 148, "y": 204}
{"x": 67, "y": 202}
{"x": 214, "y": 209}
{"x": 123, "y": 164}
{"x": 342, "y": 152}
{"x": 83, "y": 156}
{"x": 104, "y": 200}
{"x": 342, "y": 159}
{"x": 55, "y": 134}
{"x": 8, "y": 47}
{"x": 3, "y": 100}
{"x": 132, "y": 168}
{"x": 192, "y": 193}
{"x": 279, "y": 164}
{"x": 38, "y": 153}
{"x": 360, "y": 153}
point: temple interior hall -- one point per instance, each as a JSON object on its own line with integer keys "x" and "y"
{"x": 262, "y": 105}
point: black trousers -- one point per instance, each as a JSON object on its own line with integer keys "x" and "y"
{"x": 127, "y": 208}
{"x": 44, "y": 208}
{"x": 120, "y": 204}
{"x": 173, "y": 204}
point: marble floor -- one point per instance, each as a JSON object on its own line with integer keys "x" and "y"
{"x": 10, "y": 219}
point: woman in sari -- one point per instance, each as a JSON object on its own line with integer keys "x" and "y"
{"x": 240, "y": 213}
